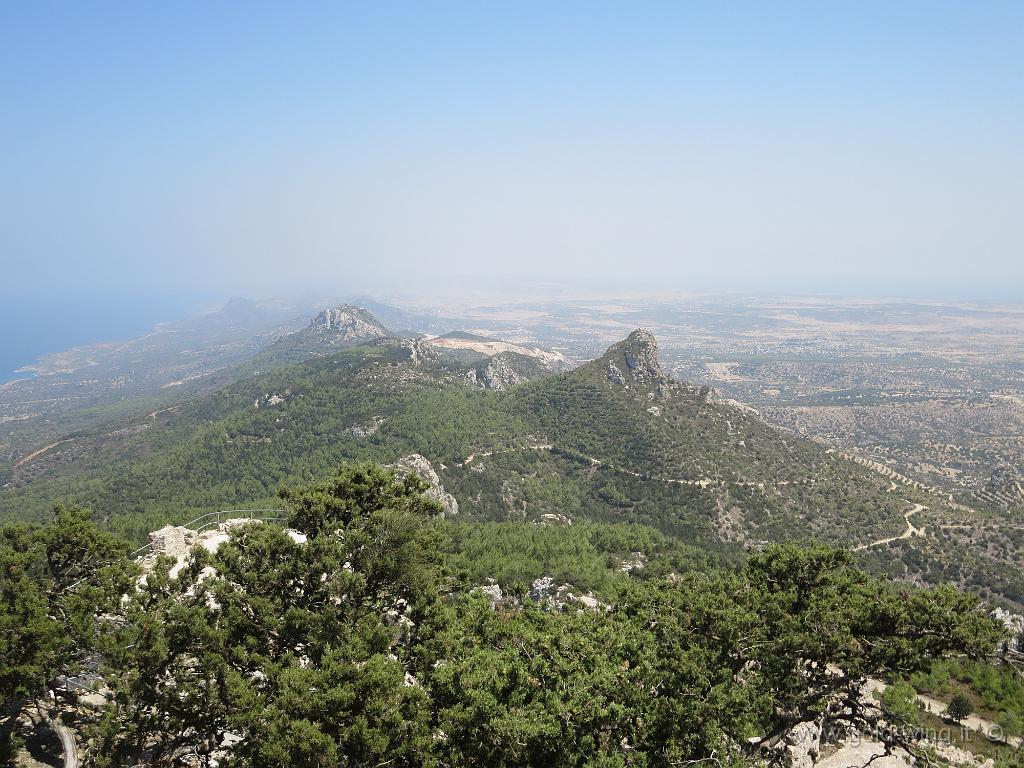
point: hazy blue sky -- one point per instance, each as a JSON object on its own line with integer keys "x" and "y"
{"x": 265, "y": 148}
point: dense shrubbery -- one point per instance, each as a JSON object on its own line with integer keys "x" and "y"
{"x": 367, "y": 644}
{"x": 586, "y": 555}
{"x": 56, "y": 581}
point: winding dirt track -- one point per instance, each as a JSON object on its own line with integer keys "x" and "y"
{"x": 703, "y": 482}
{"x": 45, "y": 448}
{"x": 975, "y": 723}
{"x": 911, "y": 530}
{"x": 154, "y": 414}
{"x": 42, "y": 450}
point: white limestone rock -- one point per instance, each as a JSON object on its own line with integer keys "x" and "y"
{"x": 561, "y": 596}
{"x": 419, "y": 465}
{"x": 172, "y": 540}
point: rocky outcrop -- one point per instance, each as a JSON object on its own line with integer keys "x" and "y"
{"x": 419, "y": 351}
{"x": 492, "y": 592}
{"x": 346, "y": 325}
{"x": 367, "y": 428}
{"x": 499, "y": 374}
{"x": 615, "y": 375}
{"x": 172, "y": 540}
{"x": 178, "y": 542}
{"x": 504, "y": 371}
{"x": 641, "y": 353}
{"x": 635, "y": 562}
{"x": 553, "y": 518}
{"x": 635, "y": 361}
{"x": 560, "y": 596}
{"x": 328, "y": 332}
{"x": 802, "y": 745}
{"x": 419, "y": 465}
{"x": 272, "y": 399}
{"x": 1014, "y": 624}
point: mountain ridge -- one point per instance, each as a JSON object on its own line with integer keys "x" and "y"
{"x": 574, "y": 443}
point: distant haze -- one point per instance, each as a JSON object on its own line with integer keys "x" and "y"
{"x": 872, "y": 148}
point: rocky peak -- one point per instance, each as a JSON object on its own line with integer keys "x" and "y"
{"x": 636, "y": 357}
{"x": 348, "y": 322}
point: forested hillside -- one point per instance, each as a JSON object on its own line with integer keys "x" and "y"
{"x": 373, "y": 632}
{"x": 616, "y": 440}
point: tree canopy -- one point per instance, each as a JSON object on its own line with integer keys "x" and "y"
{"x": 56, "y": 581}
{"x": 359, "y": 636}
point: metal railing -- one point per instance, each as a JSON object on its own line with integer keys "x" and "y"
{"x": 84, "y": 681}
{"x": 214, "y": 519}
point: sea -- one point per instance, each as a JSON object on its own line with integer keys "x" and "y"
{"x": 34, "y": 326}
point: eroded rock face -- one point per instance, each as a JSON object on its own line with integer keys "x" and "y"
{"x": 553, "y": 518}
{"x": 419, "y": 465}
{"x": 366, "y": 428}
{"x": 615, "y": 375}
{"x": 347, "y": 324}
{"x": 498, "y": 374}
{"x": 635, "y": 562}
{"x": 272, "y": 399}
{"x": 492, "y": 592}
{"x": 419, "y": 351}
{"x": 179, "y": 542}
{"x": 641, "y": 353}
{"x": 542, "y": 588}
{"x": 503, "y": 371}
{"x": 1014, "y": 623}
{"x": 635, "y": 360}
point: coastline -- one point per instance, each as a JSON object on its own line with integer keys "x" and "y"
{"x": 18, "y": 374}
